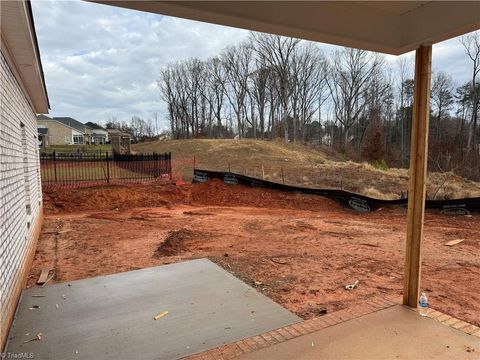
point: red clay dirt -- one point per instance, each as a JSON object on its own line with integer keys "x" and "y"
{"x": 300, "y": 250}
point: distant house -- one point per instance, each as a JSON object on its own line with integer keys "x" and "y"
{"x": 65, "y": 130}
{"x": 99, "y": 134}
{"x": 85, "y": 130}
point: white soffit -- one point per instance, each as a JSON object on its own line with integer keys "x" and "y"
{"x": 392, "y": 27}
{"x": 19, "y": 43}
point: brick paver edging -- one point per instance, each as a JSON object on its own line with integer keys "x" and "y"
{"x": 452, "y": 322}
{"x": 230, "y": 351}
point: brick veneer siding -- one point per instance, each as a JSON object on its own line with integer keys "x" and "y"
{"x": 20, "y": 192}
{"x": 58, "y": 134}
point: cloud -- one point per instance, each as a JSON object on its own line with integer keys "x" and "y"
{"x": 102, "y": 61}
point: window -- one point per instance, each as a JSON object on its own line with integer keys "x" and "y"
{"x": 77, "y": 139}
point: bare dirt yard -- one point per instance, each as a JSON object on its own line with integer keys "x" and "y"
{"x": 297, "y": 249}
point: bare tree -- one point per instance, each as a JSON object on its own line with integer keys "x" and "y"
{"x": 351, "y": 73}
{"x": 405, "y": 72}
{"x": 272, "y": 86}
{"x": 309, "y": 69}
{"x": 442, "y": 99}
{"x": 471, "y": 43}
{"x": 278, "y": 52}
{"x": 258, "y": 90}
{"x": 237, "y": 62}
{"x": 216, "y": 77}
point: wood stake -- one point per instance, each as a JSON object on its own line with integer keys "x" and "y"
{"x": 162, "y": 314}
{"x": 453, "y": 242}
{"x": 43, "y": 276}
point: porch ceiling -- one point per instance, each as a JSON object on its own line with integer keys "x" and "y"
{"x": 390, "y": 27}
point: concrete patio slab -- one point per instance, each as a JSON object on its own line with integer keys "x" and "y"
{"x": 112, "y": 317}
{"x": 393, "y": 333}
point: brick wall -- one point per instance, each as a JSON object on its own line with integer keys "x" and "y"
{"x": 20, "y": 191}
{"x": 58, "y": 134}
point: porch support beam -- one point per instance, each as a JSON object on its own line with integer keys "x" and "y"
{"x": 417, "y": 174}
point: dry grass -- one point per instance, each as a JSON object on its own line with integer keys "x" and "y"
{"x": 302, "y": 165}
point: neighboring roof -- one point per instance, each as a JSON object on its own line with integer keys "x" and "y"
{"x": 96, "y": 134}
{"x": 43, "y": 117}
{"x": 20, "y": 46}
{"x": 43, "y": 131}
{"x": 72, "y": 123}
{"x": 94, "y": 126}
{"x": 393, "y": 27}
{"x": 117, "y": 132}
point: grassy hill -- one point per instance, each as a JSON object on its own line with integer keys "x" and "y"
{"x": 301, "y": 165}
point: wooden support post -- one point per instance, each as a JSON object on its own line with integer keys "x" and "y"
{"x": 417, "y": 174}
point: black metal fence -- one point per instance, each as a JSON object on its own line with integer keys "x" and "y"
{"x": 100, "y": 168}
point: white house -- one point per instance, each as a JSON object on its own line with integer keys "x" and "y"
{"x": 23, "y": 95}
{"x": 65, "y": 130}
{"x": 99, "y": 134}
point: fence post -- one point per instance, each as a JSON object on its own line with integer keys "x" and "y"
{"x": 170, "y": 165}
{"x": 155, "y": 170}
{"x": 55, "y": 165}
{"x": 160, "y": 165}
{"x": 108, "y": 169}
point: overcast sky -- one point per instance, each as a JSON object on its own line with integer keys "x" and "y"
{"x": 101, "y": 61}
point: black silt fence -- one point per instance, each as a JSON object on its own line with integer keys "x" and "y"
{"x": 354, "y": 201}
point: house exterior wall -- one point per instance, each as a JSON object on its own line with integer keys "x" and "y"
{"x": 20, "y": 191}
{"x": 98, "y": 139}
{"x": 58, "y": 134}
{"x": 102, "y": 132}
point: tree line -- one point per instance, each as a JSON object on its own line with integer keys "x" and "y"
{"x": 277, "y": 87}
{"x": 140, "y": 129}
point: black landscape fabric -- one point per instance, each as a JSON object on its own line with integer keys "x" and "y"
{"x": 354, "y": 201}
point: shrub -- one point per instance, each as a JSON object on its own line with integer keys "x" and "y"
{"x": 381, "y": 165}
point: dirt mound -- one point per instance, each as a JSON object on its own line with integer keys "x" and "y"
{"x": 112, "y": 197}
{"x": 173, "y": 243}
{"x": 216, "y": 192}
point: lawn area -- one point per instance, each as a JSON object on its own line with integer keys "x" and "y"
{"x": 77, "y": 148}
{"x": 65, "y": 172}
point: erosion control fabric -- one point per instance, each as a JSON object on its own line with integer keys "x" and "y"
{"x": 354, "y": 201}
